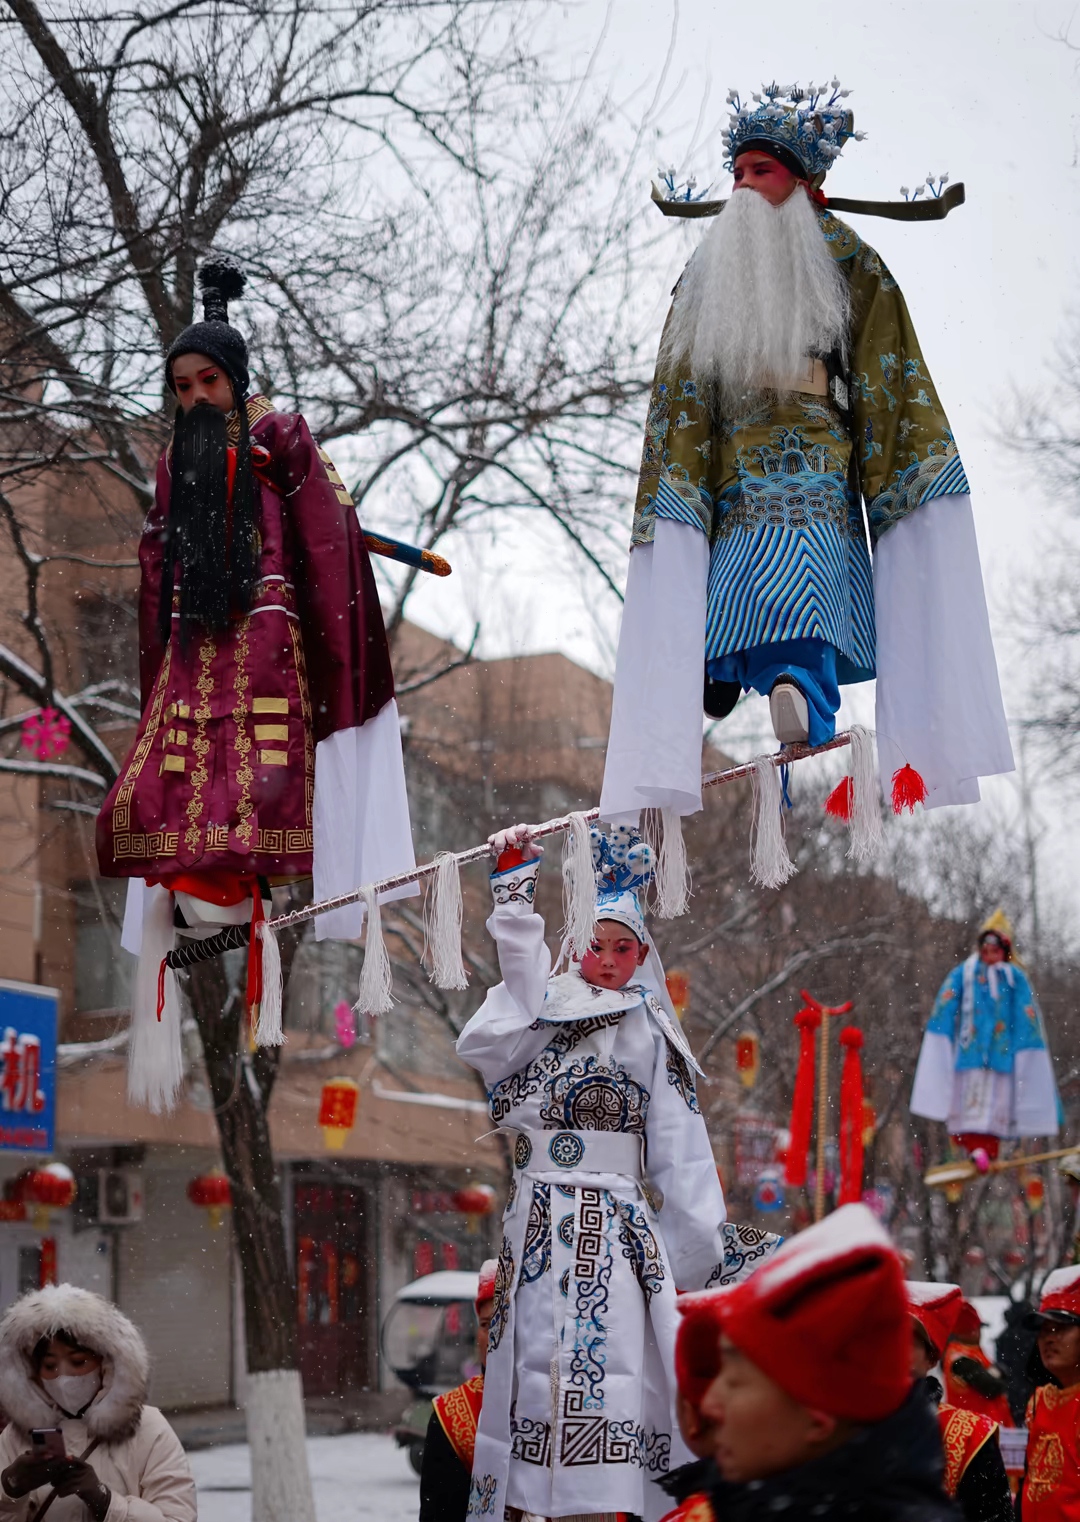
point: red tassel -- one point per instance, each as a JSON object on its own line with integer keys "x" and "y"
{"x": 851, "y": 1117}
{"x": 802, "y": 1103}
{"x": 908, "y": 789}
{"x": 253, "y": 992}
{"x": 161, "y": 989}
{"x": 840, "y": 801}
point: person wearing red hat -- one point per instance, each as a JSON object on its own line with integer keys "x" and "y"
{"x": 1050, "y": 1489}
{"x": 816, "y": 1411}
{"x": 974, "y": 1469}
{"x": 451, "y": 1435}
{"x": 972, "y": 1382}
{"x": 697, "y": 1363}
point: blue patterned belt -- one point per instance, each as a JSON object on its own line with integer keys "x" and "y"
{"x": 537, "y": 1152}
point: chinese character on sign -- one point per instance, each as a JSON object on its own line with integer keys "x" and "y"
{"x": 20, "y": 1073}
{"x": 28, "y": 1017}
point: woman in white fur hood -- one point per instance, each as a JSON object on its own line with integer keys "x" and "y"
{"x": 69, "y": 1359}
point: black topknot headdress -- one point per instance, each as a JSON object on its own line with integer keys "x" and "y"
{"x": 221, "y": 280}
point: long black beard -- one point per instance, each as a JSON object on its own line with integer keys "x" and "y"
{"x": 218, "y": 561}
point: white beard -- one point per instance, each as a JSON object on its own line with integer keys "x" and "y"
{"x": 761, "y": 293}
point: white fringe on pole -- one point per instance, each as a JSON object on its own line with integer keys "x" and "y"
{"x": 155, "y": 1055}
{"x": 442, "y": 924}
{"x": 269, "y": 1031}
{"x": 867, "y": 835}
{"x": 579, "y": 887}
{"x": 770, "y": 864}
{"x": 672, "y": 870}
{"x": 376, "y": 994}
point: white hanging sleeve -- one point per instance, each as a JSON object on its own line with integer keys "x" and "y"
{"x": 442, "y": 924}
{"x": 376, "y": 995}
{"x": 867, "y": 835}
{"x": 770, "y": 864}
{"x": 155, "y": 1055}
{"x": 672, "y": 869}
{"x": 270, "y": 1030}
{"x": 579, "y": 886}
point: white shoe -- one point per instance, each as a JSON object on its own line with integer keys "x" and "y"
{"x": 790, "y": 712}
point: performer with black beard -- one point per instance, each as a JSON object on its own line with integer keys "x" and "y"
{"x": 791, "y": 398}
{"x": 269, "y": 747}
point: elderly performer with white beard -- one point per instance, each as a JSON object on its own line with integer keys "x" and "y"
{"x": 791, "y": 392}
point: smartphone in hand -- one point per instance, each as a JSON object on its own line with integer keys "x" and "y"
{"x": 48, "y": 1442}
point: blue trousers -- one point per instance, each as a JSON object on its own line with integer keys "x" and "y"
{"x": 810, "y": 662}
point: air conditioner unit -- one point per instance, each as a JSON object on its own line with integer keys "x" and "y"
{"x": 120, "y": 1196}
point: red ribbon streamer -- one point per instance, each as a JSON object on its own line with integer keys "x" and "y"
{"x": 802, "y": 1103}
{"x": 851, "y": 1117}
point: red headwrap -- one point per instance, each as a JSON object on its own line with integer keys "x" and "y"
{"x": 485, "y": 1290}
{"x": 826, "y": 1318}
{"x": 697, "y": 1342}
{"x": 935, "y": 1307}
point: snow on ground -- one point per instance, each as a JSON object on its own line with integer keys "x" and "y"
{"x": 358, "y": 1477}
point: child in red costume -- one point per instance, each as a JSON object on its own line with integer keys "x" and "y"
{"x": 1050, "y": 1490}
{"x": 974, "y": 1469}
{"x": 972, "y": 1383}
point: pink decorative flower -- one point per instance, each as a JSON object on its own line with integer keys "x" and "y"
{"x": 46, "y": 733}
{"x": 345, "y": 1020}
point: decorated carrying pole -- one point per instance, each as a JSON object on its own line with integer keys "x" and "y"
{"x": 965, "y": 1170}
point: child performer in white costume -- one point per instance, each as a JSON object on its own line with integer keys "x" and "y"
{"x": 614, "y": 1203}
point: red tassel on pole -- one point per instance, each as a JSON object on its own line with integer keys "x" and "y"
{"x": 851, "y": 1117}
{"x": 840, "y": 801}
{"x": 908, "y": 789}
{"x": 802, "y": 1103}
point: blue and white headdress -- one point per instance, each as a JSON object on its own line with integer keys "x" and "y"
{"x": 807, "y": 129}
{"x": 623, "y": 864}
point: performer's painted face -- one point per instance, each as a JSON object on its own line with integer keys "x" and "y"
{"x": 760, "y": 171}
{"x": 197, "y": 378}
{"x": 1059, "y": 1349}
{"x": 760, "y": 1428}
{"x": 992, "y": 950}
{"x": 614, "y": 956}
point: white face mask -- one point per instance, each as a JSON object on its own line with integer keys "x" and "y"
{"x": 73, "y": 1392}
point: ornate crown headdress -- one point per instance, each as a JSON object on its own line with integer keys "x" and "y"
{"x": 623, "y": 864}
{"x": 811, "y": 124}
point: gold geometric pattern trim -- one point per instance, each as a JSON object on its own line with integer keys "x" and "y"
{"x": 257, "y": 407}
{"x": 269, "y": 705}
{"x": 153, "y": 847}
{"x": 177, "y": 711}
{"x": 271, "y": 732}
{"x": 121, "y": 819}
{"x": 163, "y": 844}
{"x": 341, "y": 491}
{"x": 273, "y": 758}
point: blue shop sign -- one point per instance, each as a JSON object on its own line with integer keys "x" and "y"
{"x": 28, "y": 1019}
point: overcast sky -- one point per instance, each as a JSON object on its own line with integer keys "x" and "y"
{"x": 987, "y": 92}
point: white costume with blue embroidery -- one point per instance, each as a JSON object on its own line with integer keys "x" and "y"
{"x": 615, "y": 1201}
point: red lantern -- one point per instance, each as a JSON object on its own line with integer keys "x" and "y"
{"x": 475, "y": 1199}
{"x": 337, "y": 1110}
{"x": 52, "y": 1187}
{"x": 747, "y": 1058}
{"x": 212, "y": 1193}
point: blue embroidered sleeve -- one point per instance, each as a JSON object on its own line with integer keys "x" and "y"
{"x": 1029, "y": 1033}
{"x": 945, "y": 1015}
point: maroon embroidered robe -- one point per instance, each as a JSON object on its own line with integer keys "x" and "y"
{"x": 222, "y": 771}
